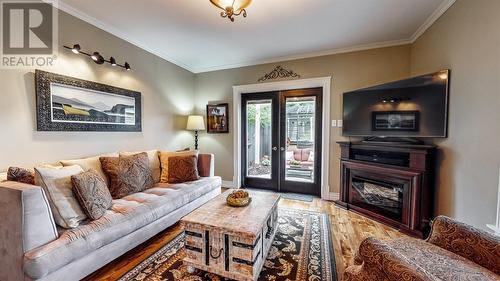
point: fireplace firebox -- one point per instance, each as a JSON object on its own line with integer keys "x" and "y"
{"x": 385, "y": 198}
{"x": 396, "y": 191}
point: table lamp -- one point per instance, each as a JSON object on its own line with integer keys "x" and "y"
{"x": 195, "y": 123}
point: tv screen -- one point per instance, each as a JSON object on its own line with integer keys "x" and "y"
{"x": 415, "y": 107}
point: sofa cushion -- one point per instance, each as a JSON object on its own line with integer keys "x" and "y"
{"x": 301, "y": 154}
{"x": 90, "y": 163}
{"x": 21, "y": 175}
{"x": 127, "y": 174}
{"x": 125, "y": 216}
{"x": 438, "y": 262}
{"x": 164, "y": 155}
{"x": 182, "y": 169}
{"x": 56, "y": 182}
{"x": 154, "y": 162}
{"x": 92, "y": 193}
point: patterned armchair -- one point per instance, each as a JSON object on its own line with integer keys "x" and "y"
{"x": 453, "y": 251}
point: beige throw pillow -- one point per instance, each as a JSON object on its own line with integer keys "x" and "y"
{"x": 56, "y": 182}
{"x": 91, "y": 163}
{"x": 165, "y": 155}
{"x": 154, "y": 162}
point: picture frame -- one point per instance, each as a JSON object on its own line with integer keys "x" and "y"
{"x": 396, "y": 120}
{"x": 218, "y": 118}
{"x": 65, "y": 103}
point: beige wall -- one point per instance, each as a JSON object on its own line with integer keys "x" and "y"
{"x": 167, "y": 94}
{"x": 349, "y": 71}
{"x": 466, "y": 39}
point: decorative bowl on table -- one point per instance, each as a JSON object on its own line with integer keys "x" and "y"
{"x": 238, "y": 198}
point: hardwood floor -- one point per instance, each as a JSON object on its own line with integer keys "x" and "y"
{"x": 348, "y": 230}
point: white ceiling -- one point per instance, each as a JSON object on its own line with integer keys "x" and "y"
{"x": 191, "y": 33}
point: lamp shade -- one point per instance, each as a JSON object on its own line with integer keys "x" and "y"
{"x": 195, "y": 123}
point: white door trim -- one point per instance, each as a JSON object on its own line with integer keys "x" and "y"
{"x": 323, "y": 82}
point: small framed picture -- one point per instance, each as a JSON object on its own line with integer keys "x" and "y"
{"x": 218, "y": 118}
{"x": 395, "y": 121}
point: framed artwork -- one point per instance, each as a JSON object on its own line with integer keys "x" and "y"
{"x": 69, "y": 104}
{"x": 395, "y": 121}
{"x": 218, "y": 118}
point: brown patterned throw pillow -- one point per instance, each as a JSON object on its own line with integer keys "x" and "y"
{"x": 92, "y": 193}
{"x": 21, "y": 175}
{"x": 127, "y": 174}
{"x": 182, "y": 169}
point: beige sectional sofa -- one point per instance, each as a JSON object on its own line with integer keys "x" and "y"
{"x": 32, "y": 247}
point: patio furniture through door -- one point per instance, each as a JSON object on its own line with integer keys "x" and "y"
{"x": 281, "y": 140}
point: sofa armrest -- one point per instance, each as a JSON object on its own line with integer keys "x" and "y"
{"x": 26, "y": 223}
{"x": 376, "y": 260}
{"x": 467, "y": 241}
{"x": 206, "y": 165}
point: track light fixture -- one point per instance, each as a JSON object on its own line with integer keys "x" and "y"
{"x": 76, "y": 48}
{"x": 97, "y": 57}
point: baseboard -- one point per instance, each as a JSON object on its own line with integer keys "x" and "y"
{"x": 494, "y": 228}
{"x": 334, "y": 196}
{"x": 227, "y": 184}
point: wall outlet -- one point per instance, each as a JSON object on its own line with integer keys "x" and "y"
{"x": 334, "y": 123}
{"x": 339, "y": 123}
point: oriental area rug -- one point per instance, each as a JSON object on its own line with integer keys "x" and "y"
{"x": 301, "y": 250}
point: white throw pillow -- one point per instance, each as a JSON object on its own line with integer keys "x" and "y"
{"x": 3, "y": 176}
{"x": 56, "y": 182}
{"x": 90, "y": 163}
{"x": 289, "y": 155}
{"x": 311, "y": 157}
{"x": 164, "y": 155}
{"x": 154, "y": 162}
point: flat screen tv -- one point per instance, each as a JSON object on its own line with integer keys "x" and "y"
{"x": 412, "y": 108}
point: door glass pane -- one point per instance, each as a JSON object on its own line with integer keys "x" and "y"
{"x": 259, "y": 138}
{"x": 300, "y": 134}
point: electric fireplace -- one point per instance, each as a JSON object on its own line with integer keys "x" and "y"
{"x": 388, "y": 183}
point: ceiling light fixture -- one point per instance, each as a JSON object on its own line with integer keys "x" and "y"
{"x": 231, "y": 8}
{"x": 97, "y": 57}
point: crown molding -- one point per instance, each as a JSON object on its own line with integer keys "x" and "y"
{"x": 441, "y": 9}
{"x": 113, "y": 30}
{"x": 306, "y": 55}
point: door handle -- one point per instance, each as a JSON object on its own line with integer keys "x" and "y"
{"x": 275, "y": 148}
{"x": 282, "y": 148}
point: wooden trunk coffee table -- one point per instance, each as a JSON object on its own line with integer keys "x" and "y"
{"x": 228, "y": 241}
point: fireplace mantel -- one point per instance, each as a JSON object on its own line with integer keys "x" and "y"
{"x": 391, "y": 183}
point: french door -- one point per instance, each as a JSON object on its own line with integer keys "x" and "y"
{"x": 281, "y": 140}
